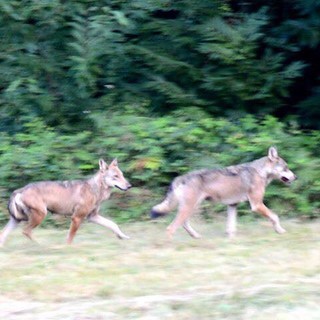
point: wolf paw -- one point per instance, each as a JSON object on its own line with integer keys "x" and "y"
{"x": 280, "y": 230}
{"x": 123, "y": 237}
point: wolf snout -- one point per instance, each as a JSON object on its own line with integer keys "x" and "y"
{"x": 124, "y": 188}
{"x": 294, "y": 177}
{"x": 289, "y": 179}
{"x": 128, "y": 186}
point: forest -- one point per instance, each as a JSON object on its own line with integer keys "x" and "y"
{"x": 164, "y": 86}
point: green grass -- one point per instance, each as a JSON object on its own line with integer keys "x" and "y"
{"x": 259, "y": 275}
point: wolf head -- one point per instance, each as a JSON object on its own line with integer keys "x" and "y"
{"x": 278, "y": 167}
{"x": 113, "y": 176}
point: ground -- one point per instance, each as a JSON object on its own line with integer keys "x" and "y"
{"x": 259, "y": 275}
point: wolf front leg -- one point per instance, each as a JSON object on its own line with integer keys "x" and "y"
{"x": 231, "y": 229}
{"x": 265, "y": 211}
{"x": 98, "y": 219}
{"x": 255, "y": 198}
{"x": 75, "y": 224}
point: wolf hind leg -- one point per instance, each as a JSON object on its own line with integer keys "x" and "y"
{"x": 10, "y": 226}
{"x": 193, "y": 233}
{"x": 35, "y": 218}
{"x": 188, "y": 203}
{"x": 184, "y": 212}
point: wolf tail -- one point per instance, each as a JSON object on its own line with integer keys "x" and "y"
{"x": 18, "y": 212}
{"x": 17, "y": 209}
{"x": 168, "y": 204}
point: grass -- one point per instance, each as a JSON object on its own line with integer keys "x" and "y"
{"x": 256, "y": 276}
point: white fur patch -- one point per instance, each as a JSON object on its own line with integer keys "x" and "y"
{"x": 18, "y": 202}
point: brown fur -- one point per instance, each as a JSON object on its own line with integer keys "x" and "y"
{"x": 230, "y": 186}
{"x": 79, "y": 199}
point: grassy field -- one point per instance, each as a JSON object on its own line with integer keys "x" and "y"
{"x": 259, "y": 275}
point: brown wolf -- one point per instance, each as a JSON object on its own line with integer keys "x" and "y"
{"x": 79, "y": 199}
{"x": 230, "y": 186}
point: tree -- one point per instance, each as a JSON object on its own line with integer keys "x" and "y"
{"x": 60, "y": 60}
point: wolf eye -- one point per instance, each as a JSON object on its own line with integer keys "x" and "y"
{"x": 116, "y": 176}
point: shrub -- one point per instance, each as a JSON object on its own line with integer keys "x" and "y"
{"x": 153, "y": 150}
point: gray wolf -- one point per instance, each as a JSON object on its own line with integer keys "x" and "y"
{"x": 79, "y": 199}
{"x": 229, "y": 186}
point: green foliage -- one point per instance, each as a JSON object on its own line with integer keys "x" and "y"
{"x": 57, "y": 58}
{"x": 41, "y": 153}
{"x": 62, "y": 59}
{"x": 297, "y": 35}
{"x": 153, "y": 150}
{"x": 71, "y": 70}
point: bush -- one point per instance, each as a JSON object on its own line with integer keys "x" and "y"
{"x": 153, "y": 150}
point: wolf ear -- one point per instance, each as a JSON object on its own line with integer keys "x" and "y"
{"x": 102, "y": 165}
{"x": 114, "y": 162}
{"x": 273, "y": 154}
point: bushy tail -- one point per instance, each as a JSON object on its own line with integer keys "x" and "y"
{"x": 17, "y": 209}
{"x": 168, "y": 204}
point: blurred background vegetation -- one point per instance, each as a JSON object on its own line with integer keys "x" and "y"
{"x": 165, "y": 86}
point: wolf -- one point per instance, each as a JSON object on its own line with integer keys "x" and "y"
{"x": 229, "y": 186}
{"x": 79, "y": 199}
